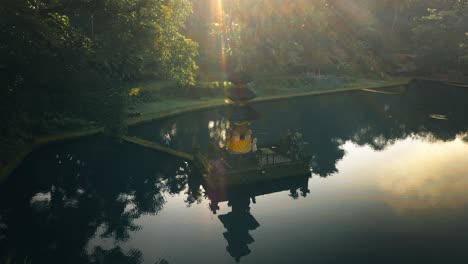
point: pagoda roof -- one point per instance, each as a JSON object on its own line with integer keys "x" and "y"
{"x": 237, "y": 113}
{"x": 237, "y": 94}
{"x": 240, "y": 77}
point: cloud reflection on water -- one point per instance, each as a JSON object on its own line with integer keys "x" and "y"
{"x": 417, "y": 173}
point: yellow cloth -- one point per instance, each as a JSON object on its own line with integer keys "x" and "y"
{"x": 241, "y": 146}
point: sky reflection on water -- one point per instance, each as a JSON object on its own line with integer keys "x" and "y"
{"x": 388, "y": 186}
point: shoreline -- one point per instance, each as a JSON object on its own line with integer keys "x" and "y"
{"x": 197, "y": 105}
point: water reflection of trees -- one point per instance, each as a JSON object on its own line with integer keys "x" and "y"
{"x": 375, "y": 120}
{"x": 51, "y": 217}
{"x": 55, "y": 203}
{"x": 328, "y": 121}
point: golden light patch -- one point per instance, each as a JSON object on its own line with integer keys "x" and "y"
{"x": 134, "y": 92}
{"x": 427, "y": 176}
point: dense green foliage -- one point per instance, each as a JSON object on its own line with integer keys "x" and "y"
{"x": 66, "y": 63}
{"x": 442, "y": 38}
{"x": 74, "y": 58}
{"x": 354, "y": 36}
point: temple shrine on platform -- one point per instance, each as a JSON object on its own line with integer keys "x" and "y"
{"x": 240, "y": 158}
{"x": 237, "y": 168}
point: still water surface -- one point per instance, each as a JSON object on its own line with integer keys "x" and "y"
{"x": 388, "y": 184}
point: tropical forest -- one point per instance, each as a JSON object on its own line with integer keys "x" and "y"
{"x": 226, "y": 131}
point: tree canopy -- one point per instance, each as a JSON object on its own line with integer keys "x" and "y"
{"x": 79, "y": 58}
{"x": 74, "y": 56}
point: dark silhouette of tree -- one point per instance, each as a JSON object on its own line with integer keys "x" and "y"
{"x": 52, "y": 218}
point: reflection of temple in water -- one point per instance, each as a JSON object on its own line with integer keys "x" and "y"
{"x": 235, "y": 170}
{"x": 239, "y": 222}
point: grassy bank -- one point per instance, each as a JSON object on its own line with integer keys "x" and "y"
{"x": 212, "y": 93}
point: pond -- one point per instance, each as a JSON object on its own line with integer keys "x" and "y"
{"x": 387, "y": 183}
